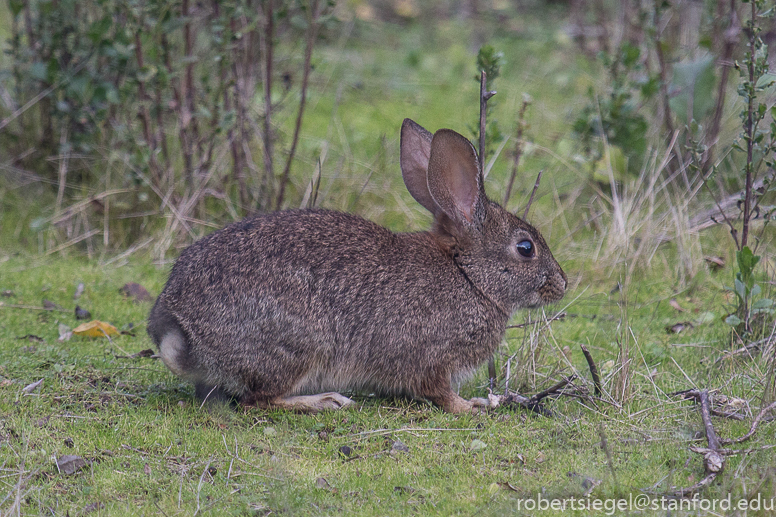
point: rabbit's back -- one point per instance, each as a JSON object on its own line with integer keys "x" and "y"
{"x": 299, "y": 301}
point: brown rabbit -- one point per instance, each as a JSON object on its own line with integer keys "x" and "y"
{"x": 276, "y": 308}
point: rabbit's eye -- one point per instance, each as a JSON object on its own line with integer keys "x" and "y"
{"x": 525, "y": 248}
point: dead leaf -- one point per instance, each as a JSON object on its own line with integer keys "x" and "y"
{"x": 51, "y": 306}
{"x": 540, "y": 457}
{"x": 136, "y": 291}
{"x": 322, "y": 483}
{"x": 146, "y": 470}
{"x": 70, "y": 464}
{"x": 7, "y": 294}
{"x": 715, "y": 262}
{"x": 79, "y": 290}
{"x": 5, "y": 382}
{"x": 679, "y": 327}
{"x": 69, "y": 442}
{"x": 586, "y": 482}
{"x": 508, "y": 486}
{"x": 65, "y": 333}
{"x": 95, "y": 328}
{"x": 82, "y": 314}
{"x": 31, "y": 387}
{"x": 673, "y": 303}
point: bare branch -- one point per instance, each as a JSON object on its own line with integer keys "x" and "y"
{"x": 312, "y": 32}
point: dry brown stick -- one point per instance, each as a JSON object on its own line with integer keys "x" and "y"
{"x": 534, "y": 403}
{"x": 755, "y": 423}
{"x": 711, "y": 434}
{"x": 484, "y": 97}
{"x": 533, "y": 192}
{"x": 593, "y": 369}
{"x": 697, "y": 487}
{"x": 189, "y": 93}
{"x": 713, "y": 456}
{"x": 552, "y": 390}
{"x": 730, "y": 36}
{"x": 518, "y": 150}
{"x": 664, "y": 97}
{"x": 750, "y": 131}
{"x": 312, "y": 32}
{"x": 745, "y": 349}
{"x": 30, "y": 307}
{"x": 145, "y": 117}
{"x": 517, "y": 400}
{"x": 608, "y": 452}
{"x": 733, "y": 231}
{"x": 32, "y": 102}
{"x": 483, "y": 115}
{"x": 180, "y": 109}
{"x": 74, "y": 240}
{"x": 267, "y": 133}
{"x": 695, "y": 395}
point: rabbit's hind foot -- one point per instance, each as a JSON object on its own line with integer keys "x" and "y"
{"x": 308, "y": 403}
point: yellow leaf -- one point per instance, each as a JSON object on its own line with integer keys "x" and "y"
{"x": 95, "y": 328}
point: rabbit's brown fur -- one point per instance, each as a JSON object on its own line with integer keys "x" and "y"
{"x": 301, "y": 301}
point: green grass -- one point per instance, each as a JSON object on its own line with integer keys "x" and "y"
{"x": 152, "y": 450}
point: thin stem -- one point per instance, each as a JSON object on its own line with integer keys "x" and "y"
{"x": 312, "y": 32}
{"x": 749, "y": 130}
{"x": 267, "y": 134}
{"x": 483, "y": 115}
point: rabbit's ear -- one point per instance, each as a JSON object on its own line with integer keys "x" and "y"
{"x": 454, "y": 176}
{"x": 415, "y": 152}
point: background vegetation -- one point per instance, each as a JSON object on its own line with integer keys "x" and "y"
{"x": 130, "y": 129}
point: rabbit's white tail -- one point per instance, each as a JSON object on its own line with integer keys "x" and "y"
{"x": 173, "y": 350}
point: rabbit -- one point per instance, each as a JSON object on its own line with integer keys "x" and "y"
{"x": 275, "y": 309}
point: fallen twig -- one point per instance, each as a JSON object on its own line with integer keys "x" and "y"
{"x": 713, "y": 456}
{"x": 31, "y": 307}
{"x": 534, "y": 403}
{"x": 694, "y": 394}
{"x": 759, "y": 418}
{"x": 593, "y": 369}
{"x": 756, "y": 345}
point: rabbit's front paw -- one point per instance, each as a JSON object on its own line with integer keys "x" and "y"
{"x": 491, "y": 402}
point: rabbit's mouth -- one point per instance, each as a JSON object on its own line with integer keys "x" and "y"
{"x": 553, "y": 289}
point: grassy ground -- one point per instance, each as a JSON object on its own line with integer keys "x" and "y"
{"x": 151, "y": 449}
{"x": 148, "y": 447}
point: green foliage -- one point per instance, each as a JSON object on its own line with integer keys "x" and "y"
{"x": 759, "y": 146}
{"x": 614, "y": 117}
{"x": 166, "y": 86}
{"x": 694, "y": 81}
{"x": 748, "y": 293}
